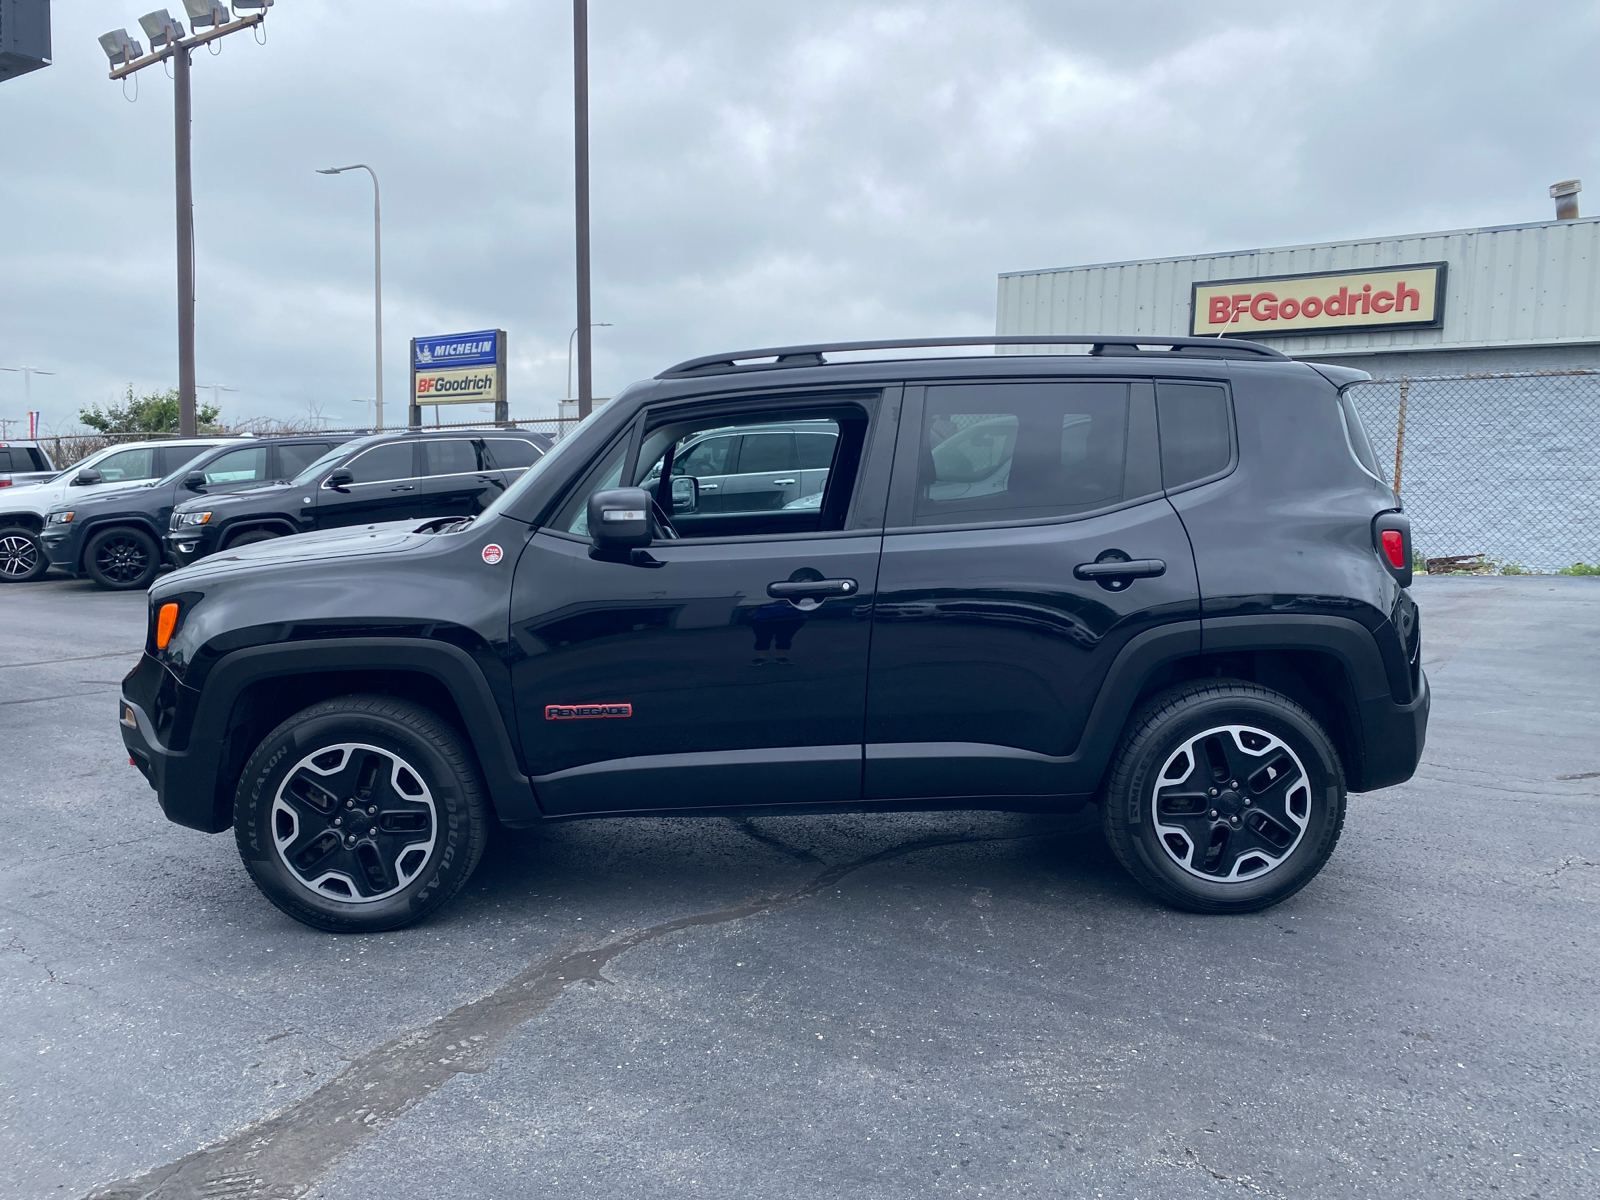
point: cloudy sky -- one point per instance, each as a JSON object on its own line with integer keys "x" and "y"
{"x": 763, "y": 172}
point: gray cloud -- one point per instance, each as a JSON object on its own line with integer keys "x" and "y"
{"x": 762, "y": 173}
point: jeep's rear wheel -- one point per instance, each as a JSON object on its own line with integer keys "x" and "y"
{"x": 359, "y": 814}
{"x": 22, "y": 558}
{"x": 1224, "y": 797}
{"x": 122, "y": 559}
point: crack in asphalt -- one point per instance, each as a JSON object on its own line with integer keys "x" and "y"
{"x": 283, "y": 1155}
{"x": 15, "y": 946}
{"x": 747, "y": 827}
{"x": 1569, "y": 862}
{"x": 50, "y": 662}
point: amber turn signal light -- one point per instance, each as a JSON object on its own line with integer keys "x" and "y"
{"x": 166, "y": 618}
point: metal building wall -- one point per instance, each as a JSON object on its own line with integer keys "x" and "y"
{"x": 1514, "y": 285}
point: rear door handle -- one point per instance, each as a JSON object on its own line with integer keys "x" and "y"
{"x": 709, "y": 487}
{"x": 1138, "y": 568}
{"x": 815, "y": 588}
{"x": 404, "y": 487}
{"x": 781, "y": 482}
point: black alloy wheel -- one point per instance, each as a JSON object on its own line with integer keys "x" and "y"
{"x": 360, "y": 814}
{"x": 122, "y": 558}
{"x": 22, "y": 558}
{"x": 251, "y": 536}
{"x": 1224, "y": 797}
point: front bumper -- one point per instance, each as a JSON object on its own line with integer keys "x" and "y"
{"x": 184, "y": 780}
{"x": 186, "y": 546}
{"x": 63, "y": 545}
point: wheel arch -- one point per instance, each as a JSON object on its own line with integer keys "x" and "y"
{"x": 98, "y": 525}
{"x": 250, "y": 691}
{"x": 32, "y": 522}
{"x": 277, "y": 525}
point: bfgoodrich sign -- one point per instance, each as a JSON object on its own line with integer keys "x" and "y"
{"x": 1381, "y": 298}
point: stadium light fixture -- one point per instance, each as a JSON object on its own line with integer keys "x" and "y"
{"x": 120, "y": 48}
{"x": 206, "y": 13}
{"x": 168, "y": 42}
{"x": 161, "y": 27}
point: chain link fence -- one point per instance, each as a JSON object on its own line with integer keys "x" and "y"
{"x": 67, "y": 449}
{"x": 1499, "y": 473}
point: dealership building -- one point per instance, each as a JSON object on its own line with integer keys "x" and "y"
{"x": 1500, "y": 299}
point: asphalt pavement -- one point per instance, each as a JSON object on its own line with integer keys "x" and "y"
{"x": 956, "y": 1004}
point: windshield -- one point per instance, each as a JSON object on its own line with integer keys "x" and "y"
{"x": 310, "y": 474}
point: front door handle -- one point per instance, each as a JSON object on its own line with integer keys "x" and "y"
{"x": 814, "y": 588}
{"x": 781, "y": 482}
{"x": 1138, "y": 568}
{"x": 709, "y": 487}
{"x": 404, "y": 487}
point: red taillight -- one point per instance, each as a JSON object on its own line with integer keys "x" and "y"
{"x": 1394, "y": 548}
{"x": 5, "y": 481}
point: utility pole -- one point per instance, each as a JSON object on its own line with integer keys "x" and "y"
{"x": 580, "y": 140}
{"x": 167, "y": 40}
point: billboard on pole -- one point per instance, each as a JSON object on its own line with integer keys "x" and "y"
{"x": 24, "y": 36}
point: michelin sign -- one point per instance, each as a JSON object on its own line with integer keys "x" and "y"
{"x": 459, "y": 368}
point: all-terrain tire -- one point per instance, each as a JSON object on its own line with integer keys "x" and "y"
{"x": 361, "y": 814}
{"x": 1182, "y": 832}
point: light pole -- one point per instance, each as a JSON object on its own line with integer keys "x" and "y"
{"x": 167, "y": 40}
{"x": 580, "y": 148}
{"x": 377, "y": 271}
{"x": 570, "y": 336}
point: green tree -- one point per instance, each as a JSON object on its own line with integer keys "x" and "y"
{"x": 154, "y": 413}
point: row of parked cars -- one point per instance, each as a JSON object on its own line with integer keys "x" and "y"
{"x": 119, "y": 515}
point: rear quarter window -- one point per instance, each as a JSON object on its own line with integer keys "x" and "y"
{"x": 1196, "y": 431}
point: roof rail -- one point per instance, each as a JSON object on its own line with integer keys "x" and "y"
{"x": 1117, "y": 345}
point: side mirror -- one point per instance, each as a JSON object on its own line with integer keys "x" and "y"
{"x": 195, "y": 481}
{"x": 340, "y": 479}
{"x": 88, "y": 476}
{"x": 685, "y": 494}
{"x": 619, "y": 521}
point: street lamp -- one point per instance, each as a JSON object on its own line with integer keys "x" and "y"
{"x": 167, "y": 41}
{"x": 377, "y": 271}
{"x": 570, "y": 336}
{"x": 580, "y": 153}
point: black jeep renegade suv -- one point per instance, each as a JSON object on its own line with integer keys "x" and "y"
{"x": 1168, "y": 581}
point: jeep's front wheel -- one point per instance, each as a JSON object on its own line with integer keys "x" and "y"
{"x": 1224, "y": 797}
{"x": 360, "y": 814}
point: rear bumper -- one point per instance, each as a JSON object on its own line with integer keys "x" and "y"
{"x": 1393, "y": 736}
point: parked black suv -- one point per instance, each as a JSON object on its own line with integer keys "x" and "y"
{"x": 115, "y": 537}
{"x": 1168, "y": 581}
{"x": 398, "y": 476}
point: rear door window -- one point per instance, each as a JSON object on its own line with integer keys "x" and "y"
{"x": 767, "y": 452}
{"x": 296, "y": 457}
{"x": 1020, "y": 451}
{"x": 125, "y": 465}
{"x": 450, "y": 456}
{"x": 237, "y": 466}
{"x": 710, "y": 457}
{"x": 1196, "y": 431}
{"x": 513, "y": 454}
{"x": 392, "y": 460}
